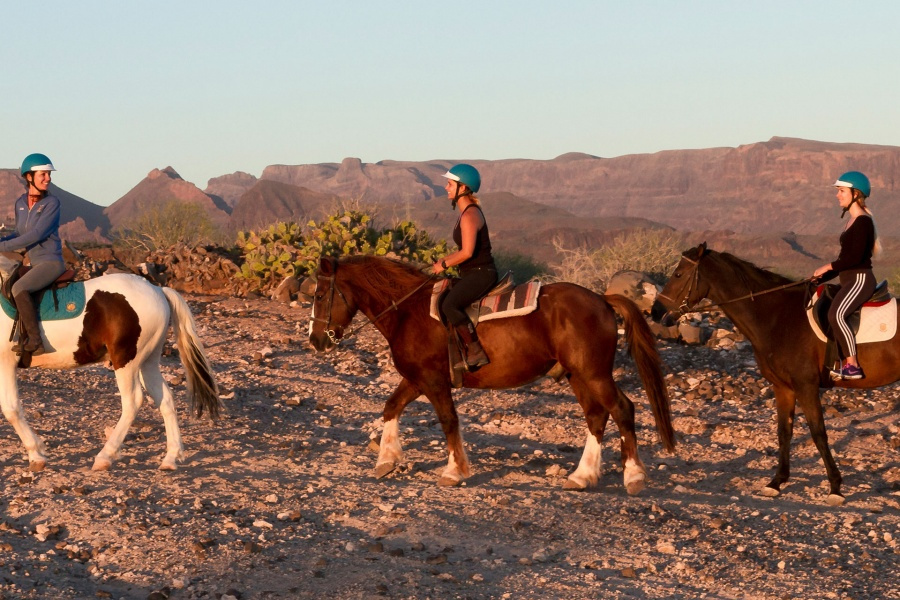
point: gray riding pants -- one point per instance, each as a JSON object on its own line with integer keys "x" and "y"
{"x": 38, "y": 277}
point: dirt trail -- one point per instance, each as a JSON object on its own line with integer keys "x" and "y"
{"x": 278, "y": 500}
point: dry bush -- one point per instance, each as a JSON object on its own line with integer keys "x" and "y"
{"x": 651, "y": 251}
{"x": 165, "y": 225}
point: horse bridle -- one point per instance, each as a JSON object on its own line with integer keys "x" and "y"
{"x": 685, "y": 307}
{"x": 331, "y": 333}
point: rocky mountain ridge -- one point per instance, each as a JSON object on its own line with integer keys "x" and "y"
{"x": 773, "y": 195}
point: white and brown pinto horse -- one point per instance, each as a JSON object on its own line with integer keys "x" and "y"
{"x": 124, "y": 322}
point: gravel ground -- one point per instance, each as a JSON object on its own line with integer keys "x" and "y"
{"x": 278, "y": 499}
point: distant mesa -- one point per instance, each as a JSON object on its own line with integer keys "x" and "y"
{"x": 763, "y": 188}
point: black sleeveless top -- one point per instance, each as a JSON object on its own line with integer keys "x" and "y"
{"x": 481, "y": 257}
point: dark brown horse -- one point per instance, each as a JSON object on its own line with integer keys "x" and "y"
{"x": 771, "y": 311}
{"x": 573, "y": 328}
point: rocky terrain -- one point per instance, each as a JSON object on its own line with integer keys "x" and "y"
{"x": 278, "y": 499}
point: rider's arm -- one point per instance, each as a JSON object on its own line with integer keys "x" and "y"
{"x": 44, "y": 223}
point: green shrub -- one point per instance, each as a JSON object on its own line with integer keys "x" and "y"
{"x": 272, "y": 254}
{"x": 284, "y": 250}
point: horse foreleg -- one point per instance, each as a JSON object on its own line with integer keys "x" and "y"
{"x": 126, "y": 378}
{"x": 785, "y": 403}
{"x": 12, "y": 408}
{"x": 162, "y": 398}
{"x": 812, "y": 408}
{"x": 390, "y": 452}
{"x": 457, "y": 462}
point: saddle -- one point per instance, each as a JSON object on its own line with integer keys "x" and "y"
{"x": 506, "y": 299}
{"x": 875, "y": 321}
{"x": 64, "y": 301}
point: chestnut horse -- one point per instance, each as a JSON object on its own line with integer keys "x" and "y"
{"x": 771, "y": 311}
{"x": 572, "y": 327}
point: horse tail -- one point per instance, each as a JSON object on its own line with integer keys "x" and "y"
{"x": 642, "y": 346}
{"x": 201, "y": 382}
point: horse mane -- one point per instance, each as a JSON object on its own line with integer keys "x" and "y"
{"x": 383, "y": 277}
{"x": 755, "y": 278}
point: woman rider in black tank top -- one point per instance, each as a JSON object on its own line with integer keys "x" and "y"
{"x": 477, "y": 271}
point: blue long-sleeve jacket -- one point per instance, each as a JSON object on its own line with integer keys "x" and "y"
{"x": 37, "y": 230}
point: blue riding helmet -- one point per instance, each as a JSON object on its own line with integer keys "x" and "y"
{"x": 465, "y": 174}
{"x": 36, "y": 162}
{"x": 855, "y": 180}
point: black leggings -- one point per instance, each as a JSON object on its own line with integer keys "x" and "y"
{"x": 856, "y": 288}
{"x": 472, "y": 286}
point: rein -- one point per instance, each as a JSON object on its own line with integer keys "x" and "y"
{"x": 395, "y": 305}
{"x": 685, "y": 307}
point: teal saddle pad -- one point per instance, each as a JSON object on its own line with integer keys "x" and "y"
{"x": 69, "y": 299}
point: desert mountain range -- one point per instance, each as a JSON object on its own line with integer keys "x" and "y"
{"x": 768, "y": 198}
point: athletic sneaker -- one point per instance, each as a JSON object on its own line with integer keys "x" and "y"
{"x": 848, "y": 372}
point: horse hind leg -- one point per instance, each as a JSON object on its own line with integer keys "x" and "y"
{"x": 161, "y": 394}
{"x": 600, "y": 400}
{"x": 126, "y": 378}
{"x": 635, "y": 473}
{"x": 589, "y": 467}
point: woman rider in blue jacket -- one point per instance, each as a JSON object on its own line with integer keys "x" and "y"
{"x": 37, "y": 233}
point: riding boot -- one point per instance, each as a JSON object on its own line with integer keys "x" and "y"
{"x": 475, "y": 358}
{"x": 30, "y": 338}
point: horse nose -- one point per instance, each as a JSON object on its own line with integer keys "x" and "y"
{"x": 319, "y": 343}
{"x": 662, "y": 315}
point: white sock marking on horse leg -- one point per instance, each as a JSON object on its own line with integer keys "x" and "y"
{"x": 457, "y": 464}
{"x": 588, "y": 472}
{"x": 390, "y": 450}
{"x": 634, "y": 471}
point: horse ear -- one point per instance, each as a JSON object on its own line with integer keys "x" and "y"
{"x": 327, "y": 265}
{"x": 702, "y": 249}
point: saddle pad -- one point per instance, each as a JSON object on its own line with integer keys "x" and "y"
{"x": 878, "y": 323}
{"x": 521, "y": 300}
{"x": 69, "y": 298}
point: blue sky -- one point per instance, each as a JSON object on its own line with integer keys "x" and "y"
{"x": 111, "y": 90}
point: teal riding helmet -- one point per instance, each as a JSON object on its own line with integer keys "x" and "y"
{"x": 36, "y": 162}
{"x": 855, "y": 180}
{"x": 465, "y": 174}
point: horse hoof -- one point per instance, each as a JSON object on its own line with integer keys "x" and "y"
{"x": 447, "y": 481}
{"x": 572, "y": 484}
{"x": 382, "y": 469}
{"x": 635, "y": 487}
{"x": 167, "y": 466}
{"x": 37, "y": 466}
{"x": 834, "y": 500}
{"x": 101, "y": 464}
{"x": 769, "y": 492}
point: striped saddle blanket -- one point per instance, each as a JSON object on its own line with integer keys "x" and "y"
{"x": 503, "y": 301}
